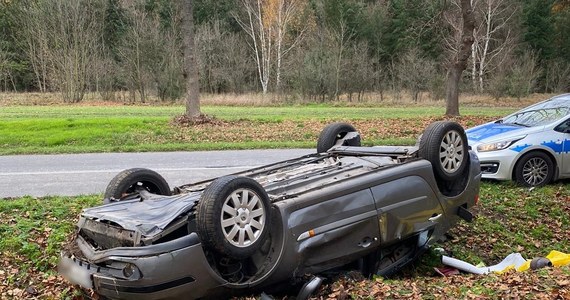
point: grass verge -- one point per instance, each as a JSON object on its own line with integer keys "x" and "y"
{"x": 80, "y": 129}
{"x": 509, "y": 219}
{"x": 32, "y": 232}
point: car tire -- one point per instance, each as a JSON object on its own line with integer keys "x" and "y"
{"x": 330, "y": 135}
{"x": 444, "y": 144}
{"x": 534, "y": 169}
{"x": 126, "y": 182}
{"x": 227, "y": 223}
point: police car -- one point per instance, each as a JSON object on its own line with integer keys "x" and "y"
{"x": 530, "y": 146}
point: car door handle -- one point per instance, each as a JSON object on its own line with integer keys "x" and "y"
{"x": 366, "y": 242}
{"x": 435, "y": 218}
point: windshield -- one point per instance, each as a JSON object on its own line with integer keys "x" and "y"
{"x": 540, "y": 114}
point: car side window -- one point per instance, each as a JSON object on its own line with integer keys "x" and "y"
{"x": 563, "y": 127}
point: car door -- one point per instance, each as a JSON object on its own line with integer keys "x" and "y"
{"x": 563, "y": 138}
{"x": 407, "y": 206}
{"x": 333, "y": 232}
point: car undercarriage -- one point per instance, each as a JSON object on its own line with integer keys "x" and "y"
{"x": 378, "y": 207}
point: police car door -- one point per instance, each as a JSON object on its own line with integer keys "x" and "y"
{"x": 563, "y": 137}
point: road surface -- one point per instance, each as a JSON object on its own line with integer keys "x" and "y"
{"x": 77, "y": 174}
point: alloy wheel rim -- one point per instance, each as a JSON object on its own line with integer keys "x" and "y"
{"x": 535, "y": 171}
{"x": 242, "y": 218}
{"x": 451, "y": 152}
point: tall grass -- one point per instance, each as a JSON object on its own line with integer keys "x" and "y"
{"x": 388, "y": 98}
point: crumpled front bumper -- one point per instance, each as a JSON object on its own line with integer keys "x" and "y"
{"x": 173, "y": 270}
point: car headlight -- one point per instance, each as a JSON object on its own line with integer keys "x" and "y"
{"x": 129, "y": 270}
{"x": 500, "y": 145}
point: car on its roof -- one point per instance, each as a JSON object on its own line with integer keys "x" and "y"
{"x": 374, "y": 208}
{"x": 530, "y": 146}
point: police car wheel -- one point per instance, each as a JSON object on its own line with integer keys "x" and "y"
{"x": 534, "y": 169}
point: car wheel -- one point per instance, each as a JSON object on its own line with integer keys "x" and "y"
{"x": 233, "y": 216}
{"x": 444, "y": 144}
{"x": 534, "y": 169}
{"x": 128, "y": 181}
{"x": 332, "y": 133}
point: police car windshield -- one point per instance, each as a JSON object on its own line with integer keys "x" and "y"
{"x": 536, "y": 116}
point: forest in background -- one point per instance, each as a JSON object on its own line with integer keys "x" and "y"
{"x": 318, "y": 50}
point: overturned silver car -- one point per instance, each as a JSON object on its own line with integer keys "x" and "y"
{"x": 377, "y": 208}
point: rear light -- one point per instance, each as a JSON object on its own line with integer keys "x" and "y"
{"x": 476, "y": 199}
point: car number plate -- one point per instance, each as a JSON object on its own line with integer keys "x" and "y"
{"x": 75, "y": 273}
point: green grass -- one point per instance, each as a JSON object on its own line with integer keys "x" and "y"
{"x": 512, "y": 218}
{"x": 508, "y": 219}
{"x": 270, "y": 113}
{"x": 34, "y": 229}
{"x": 77, "y": 129}
{"x": 323, "y": 112}
{"x": 33, "y": 232}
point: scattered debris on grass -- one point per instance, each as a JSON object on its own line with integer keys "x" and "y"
{"x": 513, "y": 261}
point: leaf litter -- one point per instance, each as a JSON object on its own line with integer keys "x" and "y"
{"x": 509, "y": 218}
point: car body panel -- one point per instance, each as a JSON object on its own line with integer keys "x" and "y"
{"x": 327, "y": 210}
{"x": 165, "y": 271}
{"x": 403, "y": 214}
{"x": 500, "y": 164}
{"x": 492, "y": 130}
{"x": 148, "y": 217}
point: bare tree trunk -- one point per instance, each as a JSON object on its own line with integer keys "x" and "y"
{"x": 452, "y": 94}
{"x": 267, "y": 24}
{"x": 497, "y": 16}
{"x": 32, "y": 35}
{"x": 482, "y": 66}
{"x": 474, "y": 63}
{"x": 190, "y": 66}
{"x": 474, "y": 53}
{"x": 493, "y": 40}
{"x": 281, "y": 30}
{"x": 338, "y": 65}
{"x": 342, "y": 37}
{"x": 266, "y": 47}
{"x": 286, "y": 12}
{"x": 459, "y": 62}
{"x": 260, "y": 31}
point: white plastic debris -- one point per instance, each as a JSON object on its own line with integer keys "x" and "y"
{"x": 512, "y": 261}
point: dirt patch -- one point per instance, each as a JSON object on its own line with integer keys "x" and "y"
{"x": 202, "y": 119}
{"x": 216, "y": 131}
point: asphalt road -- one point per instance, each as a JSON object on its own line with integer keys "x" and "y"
{"x": 77, "y": 174}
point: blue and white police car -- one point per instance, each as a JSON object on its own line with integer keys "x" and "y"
{"x": 530, "y": 146}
